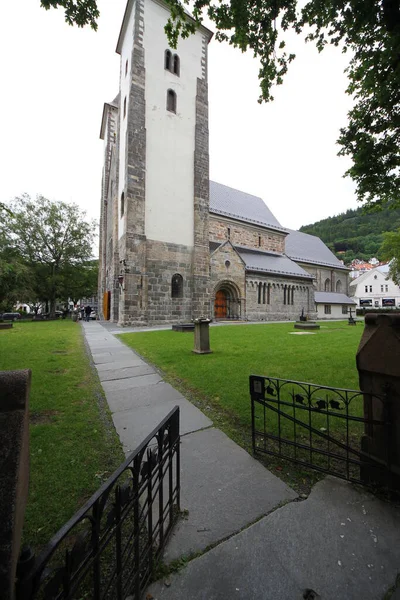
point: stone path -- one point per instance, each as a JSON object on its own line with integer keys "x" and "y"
{"x": 341, "y": 542}
{"x": 216, "y": 474}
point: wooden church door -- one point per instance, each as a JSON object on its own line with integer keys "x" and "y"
{"x": 220, "y": 305}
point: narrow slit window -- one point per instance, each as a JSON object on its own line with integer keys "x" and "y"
{"x": 126, "y": 68}
{"x": 259, "y": 240}
{"x": 259, "y": 293}
{"x": 124, "y": 107}
{"x": 269, "y": 294}
{"x": 264, "y": 290}
{"x": 284, "y": 295}
{"x": 229, "y": 233}
{"x": 171, "y": 101}
{"x": 177, "y": 286}
{"x": 122, "y": 204}
{"x": 167, "y": 60}
{"x": 177, "y": 65}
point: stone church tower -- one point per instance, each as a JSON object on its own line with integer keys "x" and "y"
{"x": 154, "y": 228}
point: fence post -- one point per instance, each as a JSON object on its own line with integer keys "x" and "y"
{"x": 378, "y": 366}
{"x": 14, "y": 472}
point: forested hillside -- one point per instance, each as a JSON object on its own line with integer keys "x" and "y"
{"x": 354, "y": 234}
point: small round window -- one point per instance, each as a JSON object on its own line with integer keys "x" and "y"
{"x": 227, "y": 264}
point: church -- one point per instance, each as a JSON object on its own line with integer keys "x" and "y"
{"x": 174, "y": 245}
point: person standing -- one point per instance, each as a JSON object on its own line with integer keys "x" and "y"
{"x": 82, "y": 311}
{"x": 88, "y": 310}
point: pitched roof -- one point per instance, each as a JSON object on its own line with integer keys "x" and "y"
{"x": 310, "y": 249}
{"x": 272, "y": 263}
{"x": 229, "y": 202}
{"x": 332, "y": 298}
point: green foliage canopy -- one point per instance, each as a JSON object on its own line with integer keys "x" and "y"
{"x": 55, "y": 241}
{"x": 390, "y": 250}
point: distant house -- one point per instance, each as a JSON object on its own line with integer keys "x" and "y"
{"x": 374, "y": 289}
{"x": 330, "y": 305}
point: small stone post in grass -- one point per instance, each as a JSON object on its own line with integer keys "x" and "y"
{"x": 378, "y": 364}
{"x": 202, "y": 336}
{"x": 14, "y": 472}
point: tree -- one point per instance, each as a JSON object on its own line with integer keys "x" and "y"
{"x": 369, "y": 29}
{"x": 80, "y": 12}
{"x": 15, "y": 277}
{"x": 55, "y": 240}
{"x": 390, "y": 250}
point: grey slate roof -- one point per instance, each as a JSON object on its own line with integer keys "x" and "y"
{"x": 332, "y": 298}
{"x": 310, "y": 249}
{"x": 272, "y": 263}
{"x": 240, "y": 205}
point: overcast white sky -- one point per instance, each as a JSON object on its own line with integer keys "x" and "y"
{"x": 55, "y": 79}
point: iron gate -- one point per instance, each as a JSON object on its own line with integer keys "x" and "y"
{"x": 107, "y": 550}
{"x": 331, "y": 430}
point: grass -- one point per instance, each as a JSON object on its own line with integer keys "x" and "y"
{"x": 219, "y": 382}
{"x": 73, "y": 444}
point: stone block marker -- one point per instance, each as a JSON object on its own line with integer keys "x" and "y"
{"x": 14, "y": 471}
{"x": 378, "y": 366}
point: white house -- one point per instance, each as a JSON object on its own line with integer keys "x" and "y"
{"x": 331, "y": 305}
{"x": 374, "y": 289}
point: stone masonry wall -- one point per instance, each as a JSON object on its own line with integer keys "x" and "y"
{"x": 276, "y": 310}
{"x": 132, "y": 247}
{"x": 245, "y": 235}
{"x": 321, "y": 274}
{"x": 201, "y": 255}
{"x": 163, "y": 261}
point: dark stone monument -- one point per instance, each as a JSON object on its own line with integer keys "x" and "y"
{"x": 352, "y": 320}
{"x": 378, "y": 365}
{"x": 202, "y": 336}
{"x": 14, "y": 472}
{"x": 183, "y": 327}
{"x": 6, "y": 326}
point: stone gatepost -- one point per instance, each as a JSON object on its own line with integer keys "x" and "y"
{"x": 202, "y": 336}
{"x": 14, "y": 472}
{"x": 378, "y": 364}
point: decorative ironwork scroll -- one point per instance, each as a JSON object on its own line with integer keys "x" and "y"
{"x": 323, "y": 428}
{"x": 107, "y": 550}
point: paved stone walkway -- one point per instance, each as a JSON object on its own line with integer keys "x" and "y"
{"x": 341, "y": 542}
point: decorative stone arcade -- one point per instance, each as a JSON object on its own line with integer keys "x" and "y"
{"x": 227, "y": 302}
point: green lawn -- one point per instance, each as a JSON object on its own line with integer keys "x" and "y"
{"x": 219, "y": 382}
{"x": 73, "y": 445}
{"x": 326, "y": 358}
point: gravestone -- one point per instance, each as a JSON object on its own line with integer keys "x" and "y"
{"x": 202, "y": 336}
{"x": 14, "y": 472}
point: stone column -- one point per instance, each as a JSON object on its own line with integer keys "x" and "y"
{"x": 378, "y": 364}
{"x": 14, "y": 472}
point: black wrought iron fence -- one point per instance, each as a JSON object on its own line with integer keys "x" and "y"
{"x": 342, "y": 432}
{"x": 109, "y": 547}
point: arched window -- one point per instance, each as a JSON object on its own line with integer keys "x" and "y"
{"x": 338, "y": 286}
{"x": 269, "y": 294}
{"x": 327, "y": 285}
{"x": 259, "y": 292}
{"x": 284, "y": 294}
{"x": 292, "y": 295}
{"x": 122, "y": 204}
{"x": 168, "y": 60}
{"x": 177, "y": 65}
{"x": 171, "y": 101}
{"x": 177, "y": 286}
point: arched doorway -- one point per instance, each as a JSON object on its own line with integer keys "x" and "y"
{"x": 226, "y": 301}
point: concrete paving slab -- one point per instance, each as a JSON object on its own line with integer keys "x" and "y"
{"x": 131, "y": 382}
{"x": 341, "y": 542}
{"x": 105, "y": 357}
{"x": 135, "y": 424}
{"x": 114, "y": 364}
{"x": 142, "y": 396}
{"x": 223, "y": 488}
{"x": 126, "y": 372}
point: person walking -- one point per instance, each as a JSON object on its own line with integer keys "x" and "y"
{"x": 82, "y": 311}
{"x": 88, "y": 310}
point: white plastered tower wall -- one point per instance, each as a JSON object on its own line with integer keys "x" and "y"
{"x": 163, "y": 171}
